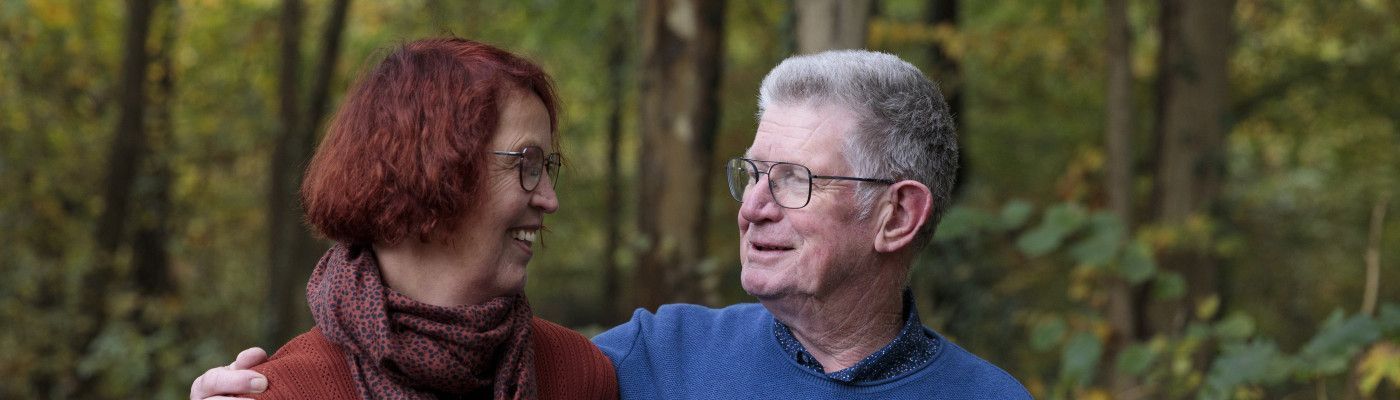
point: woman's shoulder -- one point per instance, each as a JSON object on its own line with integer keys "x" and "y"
{"x": 570, "y": 366}
{"x": 307, "y": 367}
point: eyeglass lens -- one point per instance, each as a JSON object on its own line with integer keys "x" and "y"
{"x": 790, "y": 184}
{"x": 532, "y": 162}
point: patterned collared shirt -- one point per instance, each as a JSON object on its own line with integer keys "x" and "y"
{"x": 913, "y": 348}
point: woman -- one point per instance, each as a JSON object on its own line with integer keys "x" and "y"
{"x": 433, "y": 180}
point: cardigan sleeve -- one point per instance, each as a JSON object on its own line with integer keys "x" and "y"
{"x": 568, "y": 366}
{"x": 308, "y": 367}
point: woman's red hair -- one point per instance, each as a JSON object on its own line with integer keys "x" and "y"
{"x": 406, "y": 153}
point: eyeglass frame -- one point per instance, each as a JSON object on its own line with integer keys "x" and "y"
{"x": 810, "y": 178}
{"x": 547, "y": 160}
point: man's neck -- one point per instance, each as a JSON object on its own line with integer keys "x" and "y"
{"x": 842, "y": 329}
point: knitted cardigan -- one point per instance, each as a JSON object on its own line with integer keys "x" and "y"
{"x": 567, "y": 366}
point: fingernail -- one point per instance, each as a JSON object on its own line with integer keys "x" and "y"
{"x": 259, "y": 384}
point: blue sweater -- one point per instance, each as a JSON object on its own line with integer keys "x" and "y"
{"x": 689, "y": 351}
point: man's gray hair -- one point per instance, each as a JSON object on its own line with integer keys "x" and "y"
{"x": 904, "y": 129}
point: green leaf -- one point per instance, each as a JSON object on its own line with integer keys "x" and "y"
{"x": 1059, "y": 221}
{"x": 1389, "y": 319}
{"x": 1257, "y": 362}
{"x": 960, "y": 222}
{"x": 1168, "y": 285}
{"x": 1106, "y": 234}
{"x": 1039, "y": 242}
{"x": 1014, "y": 214}
{"x": 1135, "y": 359}
{"x": 1047, "y": 333}
{"x": 1237, "y": 326}
{"x": 1081, "y": 356}
{"x": 1337, "y": 342}
{"x": 1065, "y": 217}
{"x": 1137, "y": 266}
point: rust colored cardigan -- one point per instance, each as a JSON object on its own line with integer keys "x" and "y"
{"x": 567, "y": 366}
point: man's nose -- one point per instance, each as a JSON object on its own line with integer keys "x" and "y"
{"x": 759, "y": 203}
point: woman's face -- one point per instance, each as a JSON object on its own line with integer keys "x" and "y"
{"x": 500, "y": 231}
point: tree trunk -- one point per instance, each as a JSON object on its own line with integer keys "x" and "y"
{"x": 612, "y": 219}
{"x": 287, "y": 270}
{"x": 150, "y": 258}
{"x": 831, "y": 24}
{"x": 127, "y": 152}
{"x": 1197, "y": 37}
{"x": 325, "y": 72}
{"x": 1118, "y": 111}
{"x": 681, "y": 50}
{"x": 292, "y": 250}
{"x": 947, "y": 73}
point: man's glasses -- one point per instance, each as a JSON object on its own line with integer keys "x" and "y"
{"x": 533, "y": 161}
{"x": 791, "y": 184}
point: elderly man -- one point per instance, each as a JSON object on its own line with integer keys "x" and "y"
{"x": 848, "y": 174}
{"x": 850, "y": 170}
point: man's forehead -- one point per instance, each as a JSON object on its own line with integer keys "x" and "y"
{"x": 790, "y": 131}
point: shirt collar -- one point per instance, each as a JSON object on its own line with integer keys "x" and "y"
{"x": 911, "y": 349}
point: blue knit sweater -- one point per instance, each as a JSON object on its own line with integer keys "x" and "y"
{"x": 689, "y": 351}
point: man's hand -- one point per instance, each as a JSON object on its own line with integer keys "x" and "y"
{"x": 234, "y": 379}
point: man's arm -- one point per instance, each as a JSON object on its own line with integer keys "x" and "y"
{"x": 619, "y": 342}
{"x": 234, "y": 379}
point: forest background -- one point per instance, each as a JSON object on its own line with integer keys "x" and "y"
{"x": 1159, "y": 198}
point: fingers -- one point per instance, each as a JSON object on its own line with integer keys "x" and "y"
{"x": 249, "y": 358}
{"x": 221, "y": 380}
{"x": 232, "y": 379}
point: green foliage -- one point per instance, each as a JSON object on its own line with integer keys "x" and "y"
{"x": 1332, "y": 352}
{"x": 1104, "y": 241}
{"x": 1018, "y": 272}
{"x": 1237, "y": 326}
{"x": 1257, "y": 362}
{"x": 1341, "y": 338}
{"x": 1059, "y": 221}
{"x": 1137, "y": 265}
{"x": 1047, "y": 334}
{"x": 1136, "y": 359}
{"x": 1079, "y": 359}
{"x": 1382, "y": 363}
{"x": 1244, "y": 360}
{"x": 1168, "y": 285}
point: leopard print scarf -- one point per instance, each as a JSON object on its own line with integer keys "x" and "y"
{"x": 399, "y": 348}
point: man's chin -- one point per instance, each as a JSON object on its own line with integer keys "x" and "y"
{"x": 760, "y": 285}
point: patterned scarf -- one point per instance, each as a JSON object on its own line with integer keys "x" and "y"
{"x": 399, "y": 348}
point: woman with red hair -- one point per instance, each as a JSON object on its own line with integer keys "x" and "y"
{"x": 433, "y": 180}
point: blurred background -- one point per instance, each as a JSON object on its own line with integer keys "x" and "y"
{"x": 1159, "y": 198}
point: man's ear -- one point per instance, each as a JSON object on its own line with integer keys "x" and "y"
{"x": 905, "y": 209}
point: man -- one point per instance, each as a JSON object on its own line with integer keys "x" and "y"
{"x": 850, "y": 170}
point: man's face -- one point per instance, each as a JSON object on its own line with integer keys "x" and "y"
{"x": 812, "y": 250}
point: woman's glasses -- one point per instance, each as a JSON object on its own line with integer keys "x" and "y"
{"x": 534, "y": 164}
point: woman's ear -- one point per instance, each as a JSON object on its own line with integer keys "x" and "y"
{"x": 905, "y": 209}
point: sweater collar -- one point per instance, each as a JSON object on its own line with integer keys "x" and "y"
{"x": 911, "y": 349}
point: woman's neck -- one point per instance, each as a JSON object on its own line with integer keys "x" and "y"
{"x": 434, "y": 274}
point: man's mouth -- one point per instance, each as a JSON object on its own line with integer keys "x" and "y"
{"x": 770, "y": 247}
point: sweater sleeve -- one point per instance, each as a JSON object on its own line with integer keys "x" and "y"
{"x": 307, "y": 367}
{"x": 620, "y": 342}
{"x": 568, "y": 366}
